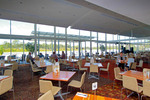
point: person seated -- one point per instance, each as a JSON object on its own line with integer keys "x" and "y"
{"x": 63, "y": 56}
{"x": 73, "y": 57}
{"x": 54, "y": 56}
{"x": 29, "y": 57}
{"x": 41, "y": 55}
{"x": 129, "y": 60}
{"x": 121, "y": 60}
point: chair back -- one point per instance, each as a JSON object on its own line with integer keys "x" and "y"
{"x": 133, "y": 65}
{"x": 141, "y": 63}
{"x": 45, "y": 86}
{"x": 8, "y": 72}
{"x": 83, "y": 78}
{"x": 49, "y": 69}
{"x": 15, "y": 66}
{"x": 130, "y": 83}
{"x": 32, "y": 66}
{"x": 6, "y": 85}
{"x": 47, "y": 96}
{"x": 94, "y": 68}
{"x": 146, "y": 69}
{"x": 146, "y": 88}
{"x": 108, "y": 66}
{"x": 116, "y": 72}
{"x": 36, "y": 58}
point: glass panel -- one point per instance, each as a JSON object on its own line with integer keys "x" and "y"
{"x": 4, "y": 26}
{"x": 17, "y": 48}
{"x": 94, "y": 47}
{"x": 22, "y": 28}
{"x": 94, "y": 35}
{"x": 5, "y": 47}
{"x": 60, "y": 32}
{"x": 45, "y": 30}
{"x": 101, "y": 36}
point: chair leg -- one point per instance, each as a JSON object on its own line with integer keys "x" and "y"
{"x": 142, "y": 97}
{"x": 80, "y": 89}
{"x": 138, "y": 96}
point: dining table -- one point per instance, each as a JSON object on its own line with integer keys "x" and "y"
{"x": 60, "y": 76}
{"x": 86, "y": 96}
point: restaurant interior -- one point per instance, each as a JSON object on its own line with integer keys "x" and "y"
{"x": 74, "y": 50}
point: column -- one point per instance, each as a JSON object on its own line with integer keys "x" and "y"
{"x": 55, "y": 39}
{"x": 35, "y": 39}
{"x": 66, "y": 41}
{"x": 90, "y": 44}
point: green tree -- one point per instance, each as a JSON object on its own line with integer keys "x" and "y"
{"x": 1, "y": 49}
{"x": 30, "y": 47}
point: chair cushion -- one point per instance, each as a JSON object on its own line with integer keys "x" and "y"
{"x": 140, "y": 89}
{"x": 75, "y": 83}
{"x": 55, "y": 90}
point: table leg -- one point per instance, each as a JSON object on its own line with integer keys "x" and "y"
{"x": 60, "y": 94}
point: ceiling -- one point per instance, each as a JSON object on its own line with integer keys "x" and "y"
{"x": 109, "y": 16}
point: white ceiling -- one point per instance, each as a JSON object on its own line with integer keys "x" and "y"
{"x": 136, "y": 9}
{"x": 80, "y": 14}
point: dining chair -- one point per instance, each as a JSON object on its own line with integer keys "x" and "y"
{"x": 49, "y": 69}
{"x": 131, "y": 84}
{"x": 8, "y": 72}
{"x": 106, "y": 69}
{"x": 132, "y": 66}
{"x": 34, "y": 69}
{"x": 93, "y": 70}
{"x": 79, "y": 64}
{"x": 36, "y": 58}
{"x": 146, "y": 89}
{"x": 87, "y": 59}
{"x": 117, "y": 75}
{"x": 14, "y": 66}
{"x": 140, "y": 64}
{"x": 47, "y": 96}
{"x": 77, "y": 84}
{"x": 6, "y": 85}
{"x": 45, "y": 86}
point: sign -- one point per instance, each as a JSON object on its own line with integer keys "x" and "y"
{"x": 94, "y": 86}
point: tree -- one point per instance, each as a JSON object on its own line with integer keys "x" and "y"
{"x": 1, "y": 49}
{"x": 30, "y": 47}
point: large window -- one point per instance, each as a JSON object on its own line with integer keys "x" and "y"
{"x": 21, "y": 28}
{"x": 4, "y": 26}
